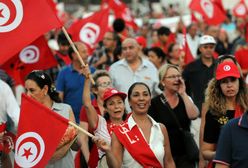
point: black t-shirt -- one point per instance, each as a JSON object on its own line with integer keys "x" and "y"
{"x": 214, "y": 124}
{"x": 160, "y": 113}
{"x": 196, "y": 76}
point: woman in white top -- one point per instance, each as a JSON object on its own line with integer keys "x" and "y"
{"x": 140, "y": 141}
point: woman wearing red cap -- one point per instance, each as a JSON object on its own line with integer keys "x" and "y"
{"x": 113, "y": 103}
{"x": 226, "y": 98}
{"x": 139, "y": 141}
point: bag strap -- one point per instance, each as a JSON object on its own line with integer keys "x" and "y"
{"x": 165, "y": 102}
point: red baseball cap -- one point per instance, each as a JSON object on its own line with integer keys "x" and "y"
{"x": 227, "y": 69}
{"x": 110, "y": 92}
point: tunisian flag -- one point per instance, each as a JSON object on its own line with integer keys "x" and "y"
{"x": 90, "y": 30}
{"x": 188, "y": 55}
{"x": 240, "y": 10}
{"x": 36, "y": 55}
{"x": 210, "y": 12}
{"x": 23, "y": 21}
{"x": 122, "y": 11}
{"x": 39, "y": 133}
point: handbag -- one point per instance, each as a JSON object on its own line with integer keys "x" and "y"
{"x": 191, "y": 148}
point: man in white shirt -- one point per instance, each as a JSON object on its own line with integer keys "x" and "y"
{"x": 193, "y": 39}
{"x": 132, "y": 69}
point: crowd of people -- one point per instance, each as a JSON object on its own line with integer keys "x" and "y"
{"x": 143, "y": 97}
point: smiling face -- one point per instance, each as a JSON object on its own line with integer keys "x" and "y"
{"x": 229, "y": 86}
{"x": 34, "y": 91}
{"x": 140, "y": 99}
{"x": 115, "y": 107}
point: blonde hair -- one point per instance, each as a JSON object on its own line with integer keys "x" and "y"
{"x": 163, "y": 71}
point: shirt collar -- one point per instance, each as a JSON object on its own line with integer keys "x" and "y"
{"x": 143, "y": 62}
{"x": 132, "y": 123}
{"x": 56, "y": 107}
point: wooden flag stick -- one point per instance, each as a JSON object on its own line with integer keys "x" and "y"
{"x": 76, "y": 51}
{"x": 81, "y": 129}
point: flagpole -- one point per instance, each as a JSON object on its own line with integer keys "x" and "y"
{"x": 76, "y": 51}
{"x": 81, "y": 129}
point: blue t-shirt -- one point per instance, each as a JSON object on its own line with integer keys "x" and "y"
{"x": 232, "y": 145}
{"x": 71, "y": 83}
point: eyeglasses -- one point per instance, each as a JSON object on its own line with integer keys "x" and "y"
{"x": 173, "y": 76}
{"x": 39, "y": 73}
{"x": 221, "y": 58}
{"x": 104, "y": 84}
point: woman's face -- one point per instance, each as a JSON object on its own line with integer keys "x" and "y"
{"x": 229, "y": 86}
{"x": 175, "y": 53}
{"x": 152, "y": 56}
{"x": 140, "y": 99}
{"x": 103, "y": 83}
{"x": 171, "y": 80}
{"x": 34, "y": 91}
{"x": 115, "y": 107}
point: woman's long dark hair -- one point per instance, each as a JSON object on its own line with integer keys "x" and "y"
{"x": 41, "y": 79}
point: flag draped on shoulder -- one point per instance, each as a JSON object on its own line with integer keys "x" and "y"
{"x": 36, "y": 55}
{"x": 90, "y": 30}
{"x": 23, "y": 21}
{"x": 210, "y": 11}
{"x": 39, "y": 133}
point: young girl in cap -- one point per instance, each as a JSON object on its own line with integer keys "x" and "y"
{"x": 226, "y": 98}
{"x": 113, "y": 103}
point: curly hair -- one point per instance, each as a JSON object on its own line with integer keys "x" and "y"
{"x": 216, "y": 100}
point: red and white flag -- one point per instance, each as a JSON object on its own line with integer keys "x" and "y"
{"x": 90, "y": 30}
{"x": 36, "y": 55}
{"x": 122, "y": 11}
{"x": 39, "y": 133}
{"x": 185, "y": 47}
{"x": 23, "y": 21}
{"x": 210, "y": 12}
{"x": 240, "y": 10}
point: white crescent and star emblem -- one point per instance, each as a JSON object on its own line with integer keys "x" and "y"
{"x": 11, "y": 15}
{"x": 89, "y": 33}
{"x": 30, "y": 54}
{"x": 29, "y": 149}
{"x": 207, "y": 7}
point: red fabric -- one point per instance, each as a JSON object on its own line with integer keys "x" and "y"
{"x": 193, "y": 18}
{"x": 240, "y": 10}
{"x": 65, "y": 58}
{"x": 93, "y": 158}
{"x": 37, "y": 55}
{"x": 133, "y": 139}
{"x": 242, "y": 58}
{"x": 90, "y": 30}
{"x": 220, "y": 5}
{"x": 122, "y": 11}
{"x": 39, "y": 133}
{"x": 238, "y": 111}
{"x": 211, "y": 12}
{"x": 28, "y": 20}
{"x": 164, "y": 47}
{"x": 2, "y": 127}
{"x": 188, "y": 55}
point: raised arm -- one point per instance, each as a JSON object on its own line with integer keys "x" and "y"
{"x": 90, "y": 110}
{"x": 191, "y": 109}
